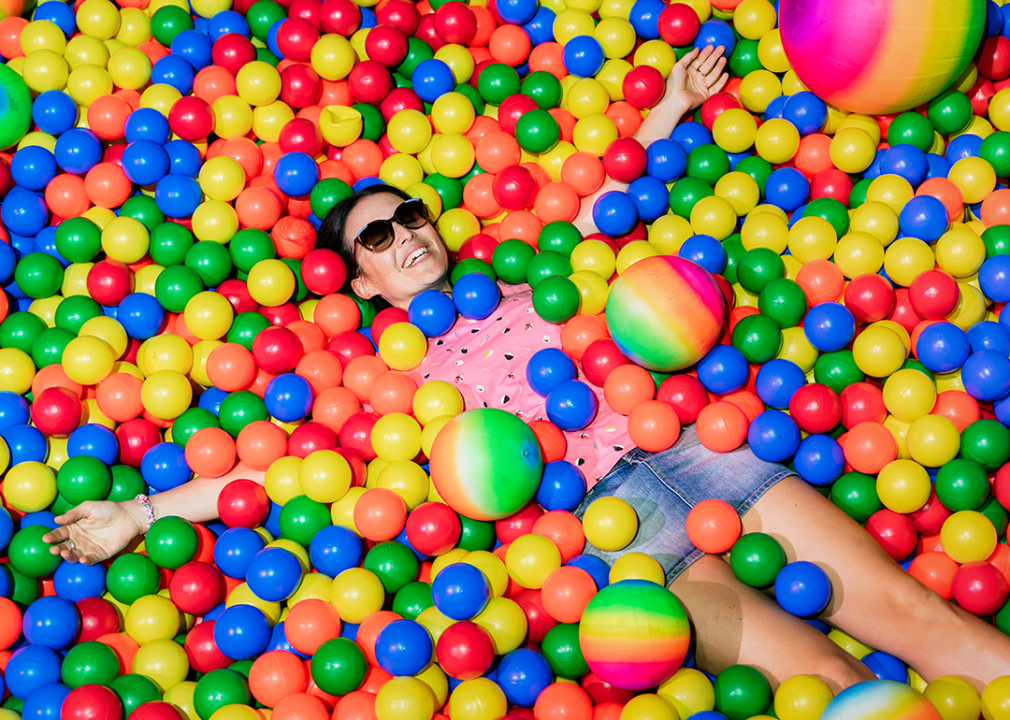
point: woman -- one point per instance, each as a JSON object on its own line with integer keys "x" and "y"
{"x": 394, "y": 253}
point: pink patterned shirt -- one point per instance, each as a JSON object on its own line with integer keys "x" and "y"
{"x": 486, "y": 361}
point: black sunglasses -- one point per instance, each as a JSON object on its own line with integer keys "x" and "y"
{"x": 378, "y": 235}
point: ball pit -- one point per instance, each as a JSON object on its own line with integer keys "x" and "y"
{"x": 813, "y": 263}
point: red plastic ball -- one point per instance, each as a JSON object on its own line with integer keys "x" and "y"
{"x": 384, "y": 318}
{"x": 306, "y": 10}
{"x": 934, "y": 294}
{"x": 300, "y": 86}
{"x": 979, "y": 588}
{"x": 895, "y": 533}
{"x": 399, "y": 13}
{"x": 277, "y": 350}
{"x": 686, "y": 394}
{"x": 236, "y": 292}
{"x": 301, "y": 135}
{"x": 243, "y": 503}
{"x": 295, "y": 39}
{"x": 904, "y": 314}
{"x": 465, "y": 650}
{"x": 521, "y": 523}
{"x": 816, "y": 408}
{"x": 323, "y": 271}
{"x": 994, "y": 58}
{"x": 625, "y": 160}
{"x": 311, "y": 437}
{"x": 156, "y": 710}
{"x": 679, "y": 25}
{"x": 862, "y": 402}
{"x": 716, "y": 106}
{"x": 832, "y": 183}
{"x": 479, "y": 246}
{"x": 204, "y": 654}
{"x": 56, "y": 411}
{"x": 191, "y": 118}
{"x": 538, "y": 620}
{"x": 599, "y": 360}
{"x": 512, "y": 108}
{"x": 370, "y": 81}
{"x": 515, "y": 188}
{"x": 929, "y": 519}
{"x": 91, "y": 702}
{"x": 341, "y": 17}
{"x": 356, "y": 434}
{"x": 400, "y": 99}
{"x": 386, "y": 44}
{"x": 455, "y": 23}
{"x": 135, "y": 438}
{"x": 196, "y": 588}
{"x": 109, "y": 281}
{"x": 869, "y": 298}
{"x": 433, "y": 528}
{"x": 643, "y": 87}
{"x": 98, "y": 617}
{"x": 348, "y": 345}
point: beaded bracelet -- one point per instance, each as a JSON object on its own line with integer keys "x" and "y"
{"x": 145, "y": 502}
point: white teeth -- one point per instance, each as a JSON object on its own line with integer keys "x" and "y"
{"x": 415, "y": 256}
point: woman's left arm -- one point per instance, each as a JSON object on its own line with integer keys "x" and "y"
{"x": 694, "y": 79}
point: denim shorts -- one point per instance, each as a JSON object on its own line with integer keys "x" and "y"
{"x": 663, "y": 487}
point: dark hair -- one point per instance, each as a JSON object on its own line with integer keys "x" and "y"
{"x": 332, "y": 231}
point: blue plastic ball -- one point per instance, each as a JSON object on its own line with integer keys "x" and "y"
{"x": 175, "y": 71}
{"x": 145, "y": 162}
{"x": 562, "y": 487}
{"x": 225, "y": 22}
{"x": 597, "y": 568}
{"x": 13, "y": 410}
{"x": 787, "y": 188}
{"x": 548, "y": 368}
{"x": 723, "y": 370}
{"x": 26, "y": 444}
{"x": 773, "y": 436}
{"x": 706, "y": 251}
{"x": 296, "y": 174}
{"x": 334, "y": 549}
{"x": 475, "y": 296}
{"x": 819, "y": 460}
{"x": 77, "y": 581}
{"x": 942, "y": 347}
{"x": 51, "y": 621}
{"x": 432, "y": 79}
{"x": 986, "y": 375}
{"x": 651, "y": 198}
{"x": 963, "y": 146}
{"x": 939, "y": 166}
{"x": 54, "y": 112}
{"x": 460, "y": 591}
{"x": 164, "y": 466}
{"x": 184, "y": 158}
{"x": 148, "y": 124}
{"x": 644, "y": 18}
{"x": 33, "y": 167}
{"x": 829, "y": 326}
{"x": 46, "y": 702}
{"x": 516, "y": 12}
{"x": 802, "y": 589}
{"x": 571, "y": 405}
{"x": 776, "y": 107}
{"x": 77, "y": 151}
{"x": 211, "y": 400}
{"x": 522, "y": 675}
{"x": 194, "y": 47}
{"x": 235, "y": 549}
{"x": 806, "y": 111}
{"x": 777, "y": 380}
{"x": 288, "y": 397}
{"x": 31, "y": 667}
{"x": 583, "y": 56}
{"x": 615, "y": 213}
{"x": 994, "y": 278}
{"x": 924, "y": 217}
{"x": 989, "y": 335}
{"x": 541, "y": 28}
{"x": 404, "y": 648}
{"x": 667, "y": 160}
{"x": 905, "y": 161}
{"x": 886, "y": 667}
{"x": 274, "y": 574}
{"x": 141, "y": 315}
{"x": 95, "y": 441}
{"x": 691, "y": 135}
{"x": 242, "y": 632}
{"x": 60, "y": 15}
{"x": 24, "y": 212}
{"x": 433, "y": 312}
{"x": 716, "y": 33}
{"x": 177, "y": 195}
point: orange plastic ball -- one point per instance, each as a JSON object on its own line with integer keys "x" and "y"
{"x": 566, "y": 592}
{"x": 118, "y": 397}
{"x": 510, "y": 44}
{"x": 557, "y": 201}
{"x": 654, "y": 426}
{"x": 869, "y": 446}
{"x": 231, "y": 367}
{"x": 335, "y": 314}
{"x": 496, "y": 151}
{"x": 821, "y": 281}
{"x": 321, "y": 368}
{"x": 713, "y": 526}
{"x": 275, "y": 675}
{"x": 107, "y": 116}
{"x": 66, "y": 196}
{"x": 107, "y": 186}
{"x": 260, "y": 443}
{"x": 722, "y": 426}
{"x": 393, "y": 391}
{"x": 210, "y": 452}
{"x": 627, "y": 387}
{"x": 584, "y": 172}
{"x": 310, "y": 623}
{"x": 380, "y": 514}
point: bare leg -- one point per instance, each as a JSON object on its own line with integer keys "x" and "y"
{"x": 736, "y": 624}
{"x": 873, "y": 599}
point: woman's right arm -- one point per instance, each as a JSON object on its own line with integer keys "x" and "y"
{"x": 95, "y": 531}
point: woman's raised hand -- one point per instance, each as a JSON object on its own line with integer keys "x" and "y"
{"x": 696, "y": 77}
{"x": 94, "y": 531}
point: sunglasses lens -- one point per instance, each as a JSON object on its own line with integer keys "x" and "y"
{"x": 412, "y": 214}
{"x": 376, "y": 236}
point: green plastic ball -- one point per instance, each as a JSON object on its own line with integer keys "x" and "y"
{"x": 556, "y": 299}
{"x": 469, "y": 266}
{"x": 856, "y": 494}
{"x": 338, "y": 666}
{"x": 537, "y": 132}
{"x": 911, "y": 128}
{"x": 78, "y": 239}
{"x": 170, "y": 242}
{"x": 190, "y": 422}
{"x": 301, "y": 292}
{"x": 547, "y": 264}
{"x": 510, "y": 260}
{"x": 449, "y": 189}
{"x": 171, "y": 542}
{"x": 244, "y": 329}
{"x": 756, "y": 559}
{"x": 498, "y": 81}
{"x": 89, "y": 663}
{"x": 220, "y": 687}
{"x": 134, "y": 690}
{"x": 744, "y": 59}
{"x": 74, "y": 311}
{"x": 707, "y": 163}
{"x": 997, "y": 515}
{"x": 26, "y": 589}
{"x": 741, "y": 692}
{"x": 393, "y": 563}
{"x": 169, "y": 21}
{"x": 734, "y": 251}
{"x": 38, "y": 275}
{"x": 995, "y": 150}
{"x": 144, "y": 210}
{"x": 417, "y": 52}
{"x": 301, "y": 518}
{"x": 544, "y": 88}
{"x": 837, "y": 370}
{"x": 49, "y": 346}
{"x": 176, "y": 286}
{"x": 20, "y": 330}
{"x": 475, "y": 534}
{"x": 987, "y": 442}
{"x": 962, "y": 485}
{"x": 758, "y": 337}
{"x": 239, "y": 409}
{"x": 471, "y": 93}
{"x": 83, "y": 478}
{"x": 211, "y": 261}
{"x": 784, "y": 301}
{"x": 132, "y": 576}
{"x": 373, "y": 127}
{"x": 561, "y": 648}
{"x": 30, "y": 555}
{"x": 560, "y": 236}
{"x": 758, "y": 168}
{"x": 996, "y": 240}
{"x": 412, "y": 599}
{"x": 831, "y": 210}
{"x": 857, "y": 196}
{"x": 262, "y": 15}
{"x": 686, "y": 193}
{"x": 127, "y": 483}
{"x": 250, "y": 246}
{"x": 325, "y": 194}
{"x": 950, "y": 112}
{"x": 758, "y": 267}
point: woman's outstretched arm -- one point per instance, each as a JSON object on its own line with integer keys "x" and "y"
{"x": 696, "y": 77}
{"x": 95, "y": 531}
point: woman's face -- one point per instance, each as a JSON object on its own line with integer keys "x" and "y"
{"x": 416, "y": 261}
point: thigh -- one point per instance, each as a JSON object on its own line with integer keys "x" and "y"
{"x": 734, "y": 624}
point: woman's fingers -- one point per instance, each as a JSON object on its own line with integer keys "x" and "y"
{"x": 720, "y": 83}
{"x": 710, "y": 59}
{"x": 73, "y": 514}
{"x": 56, "y": 536}
{"x": 689, "y": 58}
{"x": 713, "y": 77}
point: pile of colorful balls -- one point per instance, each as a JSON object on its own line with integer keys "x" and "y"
{"x": 815, "y": 263}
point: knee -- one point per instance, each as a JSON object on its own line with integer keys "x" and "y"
{"x": 841, "y": 670}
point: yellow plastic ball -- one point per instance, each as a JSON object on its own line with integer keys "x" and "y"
{"x": 932, "y": 441}
{"x": 571, "y": 23}
{"x": 459, "y": 60}
{"x": 858, "y": 253}
{"x": 165, "y": 352}
{"x": 996, "y": 699}
{"x": 960, "y": 252}
{"x": 713, "y": 216}
{"x": 802, "y": 697}
{"x": 852, "y": 150}
{"x": 126, "y": 240}
{"x": 166, "y": 664}
{"x": 593, "y": 289}
{"x": 878, "y": 351}
{"x": 332, "y": 57}
{"x": 594, "y": 256}
{"x": 758, "y": 88}
{"x": 130, "y": 69}
{"x": 649, "y": 707}
{"x": 765, "y": 230}
{"x": 216, "y": 221}
{"x": 740, "y": 190}
{"x": 404, "y": 347}
{"x": 812, "y": 238}
{"x": 876, "y": 218}
{"x": 282, "y": 481}
{"x": 702, "y": 7}
{"x": 689, "y": 691}
{"x": 974, "y": 177}
{"x": 222, "y": 178}
{"x": 356, "y": 593}
{"x": 735, "y": 130}
{"x": 269, "y": 120}
{"x": 616, "y": 37}
{"x": 271, "y": 283}
{"x": 42, "y": 35}
{"x": 906, "y": 259}
{"x": 892, "y": 190}
{"x": 30, "y": 486}
{"x": 151, "y": 618}
{"x": 209, "y": 315}
{"x": 45, "y": 70}
{"x": 233, "y": 117}
{"x": 633, "y": 252}
{"x": 452, "y": 113}
{"x": 404, "y": 698}
{"x": 88, "y": 360}
{"x": 506, "y": 622}
{"x": 395, "y": 437}
{"x": 955, "y": 698}
{"x": 968, "y": 536}
{"x": 160, "y": 98}
{"x": 594, "y": 134}
{"x": 88, "y": 83}
{"x": 753, "y": 19}
{"x": 84, "y": 50}
{"x": 777, "y": 141}
{"x": 530, "y": 559}
{"x": 586, "y": 97}
{"x": 401, "y": 170}
{"x": 656, "y": 54}
{"x": 324, "y": 476}
{"x": 98, "y": 18}
{"x": 436, "y": 398}
{"x": 134, "y": 27}
{"x": 456, "y": 226}
{"x": 108, "y": 329}
{"x": 612, "y": 74}
{"x": 903, "y": 485}
{"x": 610, "y": 524}
{"x": 341, "y": 125}
{"x": 637, "y": 566}
{"x": 909, "y": 394}
{"x": 409, "y": 131}
{"x": 258, "y": 83}
{"x": 166, "y": 394}
{"x": 452, "y": 155}
{"x": 771, "y": 53}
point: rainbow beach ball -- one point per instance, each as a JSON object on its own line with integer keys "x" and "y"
{"x": 486, "y": 464}
{"x": 634, "y": 634}
{"x": 880, "y": 700}
{"x": 880, "y": 56}
{"x": 665, "y": 313}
